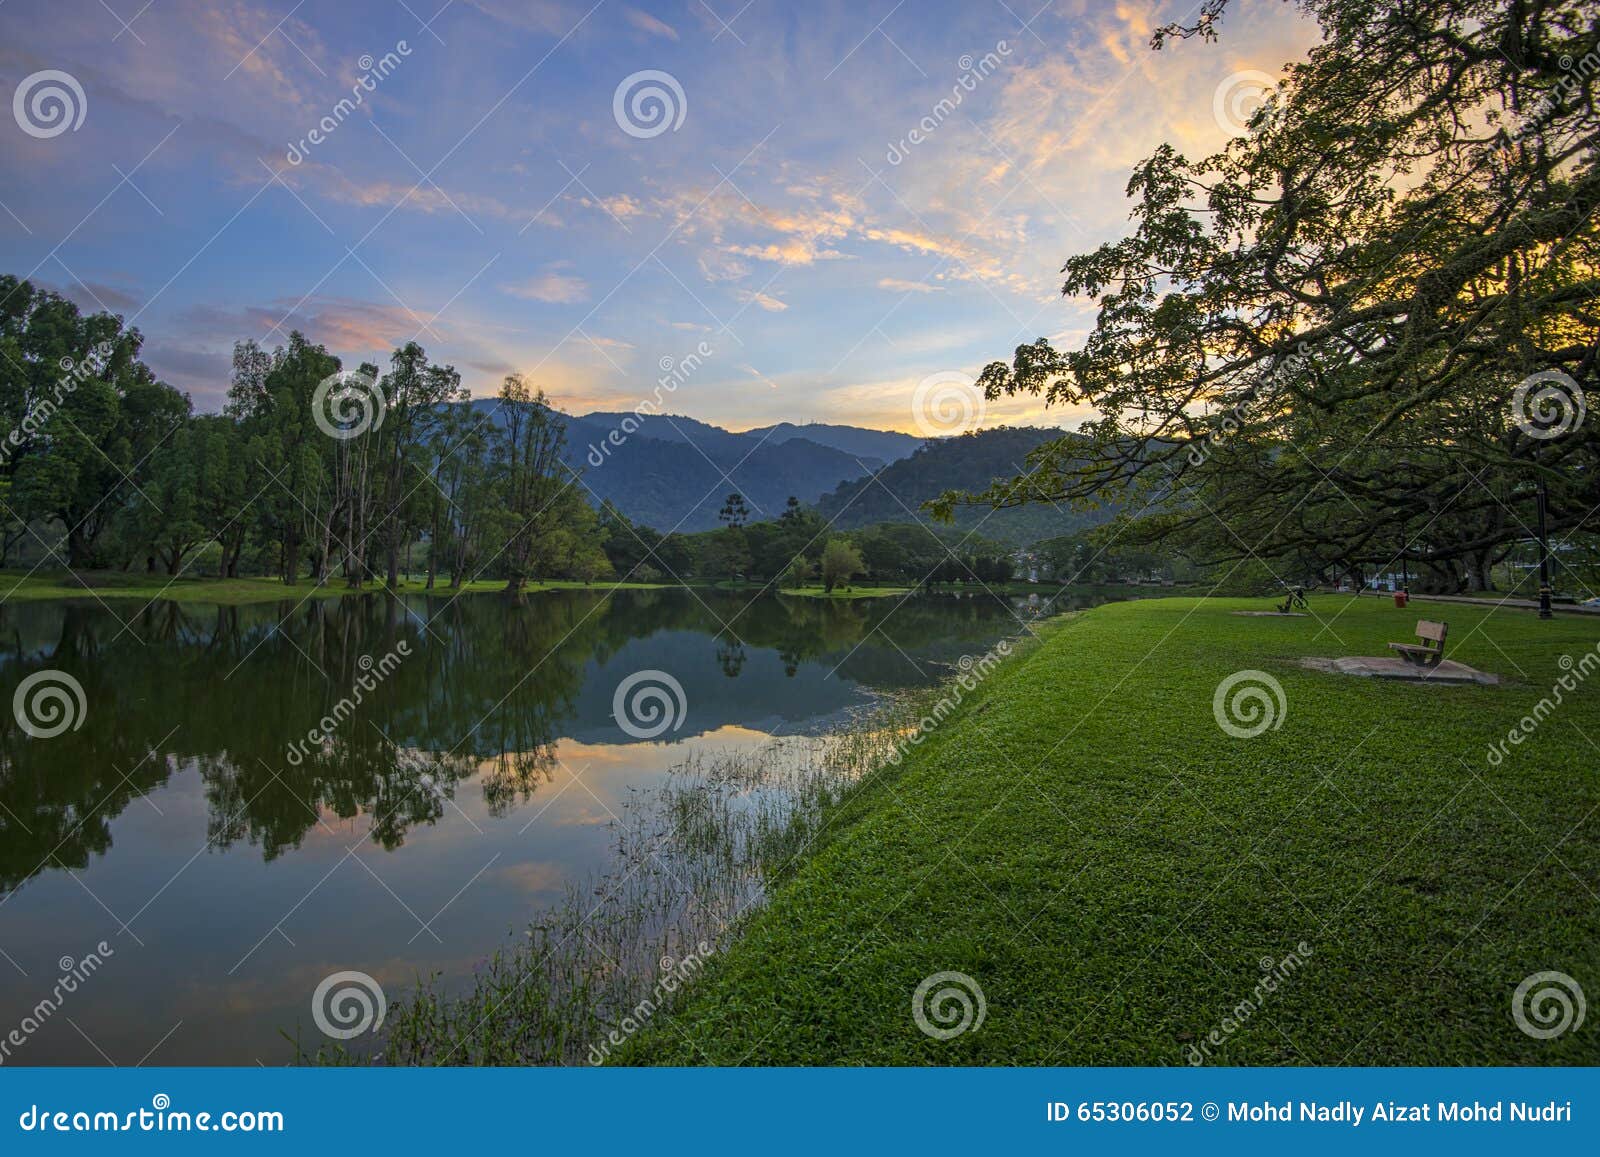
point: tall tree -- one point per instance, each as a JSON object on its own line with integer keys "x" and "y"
{"x": 289, "y": 456}
{"x": 416, "y": 395}
{"x": 1311, "y": 345}
{"x": 529, "y": 479}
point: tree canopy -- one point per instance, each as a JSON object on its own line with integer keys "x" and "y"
{"x": 311, "y": 471}
{"x": 1365, "y": 328}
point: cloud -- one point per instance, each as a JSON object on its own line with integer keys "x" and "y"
{"x": 535, "y": 876}
{"x": 1032, "y": 170}
{"x": 765, "y": 301}
{"x": 889, "y": 405}
{"x": 645, "y": 22}
{"x": 620, "y": 205}
{"x": 349, "y": 328}
{"x": 96, "y": 296}
{"x": 721, "y": 266}
{"x": 745, "y": 224}
{"x": 203, "y": 374}
{"x": 900, "y": 285}
{"x": 758, "y": 375}
{"x": 534, "y": 15}
{"x": 281, "y": 55}
{"x": 800, "y": 251}
{"x": 426, "y": 197}
{"x": 551, "y": 286}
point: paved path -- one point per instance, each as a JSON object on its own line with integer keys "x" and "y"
{"x": 1521, "y": 604}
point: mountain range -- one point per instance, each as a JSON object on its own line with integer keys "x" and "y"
{"x": 672, "y": 472}
{"x": 882, "y": 446}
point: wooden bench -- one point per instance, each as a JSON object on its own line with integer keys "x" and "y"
{"x": 1429, "y": 650}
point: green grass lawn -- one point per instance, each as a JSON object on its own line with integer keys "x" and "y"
{"x": 1084, "y": 841}
{"x": 19, "y": 586}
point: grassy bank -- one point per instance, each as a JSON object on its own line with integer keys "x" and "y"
{"x": 844, "y": 592}
{"x": 19, "y": 586}
{"x": 690, "y": 855}
{"x": 1083, "y": 840}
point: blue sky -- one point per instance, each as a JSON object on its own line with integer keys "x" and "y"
{"x": 485, "y": 198}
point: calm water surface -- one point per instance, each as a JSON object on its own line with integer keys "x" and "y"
{"x": 230, "y": 873}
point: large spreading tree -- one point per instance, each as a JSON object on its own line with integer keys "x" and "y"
{"x": 1364, "y": 330}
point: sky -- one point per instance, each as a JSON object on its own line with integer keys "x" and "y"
{"x": 822, "y": 211}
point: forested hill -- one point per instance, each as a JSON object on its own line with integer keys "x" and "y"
{"x": 970, "y": 463}
{"x": 871, "y": 446}
{"x": 674, "y": 472}
{"x": 682, "y": 485}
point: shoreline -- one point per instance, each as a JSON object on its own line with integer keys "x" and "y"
{"x": 245, "y": 591}
{"x": 21, "y": 586}
{"x": 1084, "y": 842}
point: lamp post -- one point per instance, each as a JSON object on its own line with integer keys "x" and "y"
{"x": 1405, "y": 568}
{"x": 1546, "y": 405}
{"x": 1544, "y": 553}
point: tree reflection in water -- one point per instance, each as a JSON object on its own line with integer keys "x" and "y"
{"x": 485, "y": 691}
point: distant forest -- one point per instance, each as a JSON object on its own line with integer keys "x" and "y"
{"x": 314, "y": 473}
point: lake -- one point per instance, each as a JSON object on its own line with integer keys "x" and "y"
{"x": 257, "y": 797}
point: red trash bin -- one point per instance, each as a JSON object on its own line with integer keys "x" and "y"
{"x": 1401, "y": 598}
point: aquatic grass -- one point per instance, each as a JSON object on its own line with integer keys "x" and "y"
{"x": 692, "y": 857}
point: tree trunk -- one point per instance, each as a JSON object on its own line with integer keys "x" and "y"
{"x": 1479, "y": 573}
{"x": 291, "y": 558}
{"x": 79, "y": 556}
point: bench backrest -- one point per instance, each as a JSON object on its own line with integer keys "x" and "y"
{"x": 1431, "y": 630}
